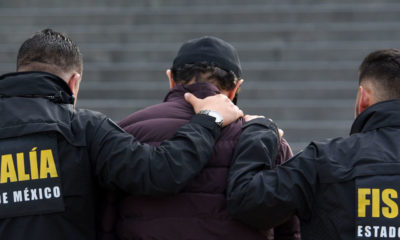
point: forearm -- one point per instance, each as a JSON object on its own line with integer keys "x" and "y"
{"x": 260, "y": 199}
{"x": 265, "y": 197}
{"x": 124, "y": 163}
{"x": 256, "y": 151}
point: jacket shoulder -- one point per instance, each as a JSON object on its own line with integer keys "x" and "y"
{"x": 86, "y": 115}
{"x": 157, "y": 122}
{"x": 173, "y": 110}
{"x": 85, "y": 123}
{"x": 337, "y": 159}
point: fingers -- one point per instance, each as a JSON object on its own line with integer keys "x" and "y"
{"x": 223, "y": 105}
{"x": 251, "y": 117}
{"x": 281, "y": 132}
{"x": 239, "y": 112}
{"x": 197, "y": 103}
{"x": 219, "y": 103}
{"x": 248, "y": 118}
{"x": 190, "y": 98}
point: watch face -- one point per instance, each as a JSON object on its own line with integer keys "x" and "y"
{"x": 214, "y": 114}
{"x": 217, "y": 116}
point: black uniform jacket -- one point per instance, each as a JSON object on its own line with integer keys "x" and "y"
{"x": 342, "y": 188}
{"x": 55, "y": 158}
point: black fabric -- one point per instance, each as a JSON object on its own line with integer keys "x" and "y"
{"x": 377, "y": 116}
{"x": 211, "y": 50}
{"x": 93, "y": 153}
{"x": 318, "y": 184}
{"x": 36, "y": 85}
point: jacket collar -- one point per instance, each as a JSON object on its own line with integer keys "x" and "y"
{"x": 382, "y": 114}
{"x": 35, "y": 85}
{"x": 200, "y": 90}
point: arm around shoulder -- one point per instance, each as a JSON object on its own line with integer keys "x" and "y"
{"x": 264, "y": 197}
{"x": 123, "y": 163}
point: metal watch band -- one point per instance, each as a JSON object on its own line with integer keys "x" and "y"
{"x": 218, "y": 118}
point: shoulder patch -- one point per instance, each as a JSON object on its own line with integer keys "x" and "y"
{"x": 377, "y": 207}
{"x": 30, "y": 176}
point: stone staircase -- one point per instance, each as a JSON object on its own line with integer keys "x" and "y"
{"x": 299, "y": 58}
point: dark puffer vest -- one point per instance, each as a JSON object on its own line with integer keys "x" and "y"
{"x": 199, "y": 211}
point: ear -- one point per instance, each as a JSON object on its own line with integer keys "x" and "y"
{"x": 172, "y": 83}
{"x": 74, "y": 83}
{"x": 365, "y": 99}
{"x": 232, "y": 92}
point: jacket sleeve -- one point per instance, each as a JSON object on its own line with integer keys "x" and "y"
{"x": 265, "y": 197}
{"x": 123, "y": 163}
{"x": 289, "y": 230}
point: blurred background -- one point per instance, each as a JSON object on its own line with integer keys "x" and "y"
{"x": 299, "y": 57}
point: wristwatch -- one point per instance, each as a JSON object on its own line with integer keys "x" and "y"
{"x": 218, "y": 118}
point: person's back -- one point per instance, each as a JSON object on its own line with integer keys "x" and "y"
{"x": 38, "y": 191}
{"x": 343, "y": 188}
{"x": 199, "y": 210}
{"x": 55, "y": 158}
{"x": 44, "y": 192}
{"x": 358, "y": 175}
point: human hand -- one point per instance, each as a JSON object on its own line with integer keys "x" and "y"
{"x": 251, "y": 117}
{"x": 219, "y": 103}
{"x": 248, "y": 118}
{"x": 281, "y": 132}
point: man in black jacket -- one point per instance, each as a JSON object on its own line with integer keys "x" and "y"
{"x": 343, "y": 188}
{"x": 54, "y": 158}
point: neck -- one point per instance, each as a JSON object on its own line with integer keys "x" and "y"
{"x": 44, "y": 67}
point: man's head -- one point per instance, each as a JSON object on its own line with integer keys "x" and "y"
{"x": 52, "y": 52}
{"x": 207, "y": 59}
{"x": 379, "y": 78}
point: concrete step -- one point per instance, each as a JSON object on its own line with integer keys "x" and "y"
{"x": 250, "y": 90}
{"x": 299, "y": 134}
{"x": 177, "y": 3}
{"x": 319, "y": 130}
{"x": 249, "y": 52}
{"x": 159, "y": 33}
{"x": 247, "y": 13}
{"x": 142, "y": 53}
{"x": 300, "y": 109}
{"x": 311, "y": 71}
{"x": 323, "y": 71}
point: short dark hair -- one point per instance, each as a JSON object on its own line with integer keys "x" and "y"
{"x": 383, "y": 68}
{"x": 204, "y": 72}
{"x": 50, "y": 47}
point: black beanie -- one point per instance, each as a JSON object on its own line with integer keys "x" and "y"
{"x": 212, "y": 50}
